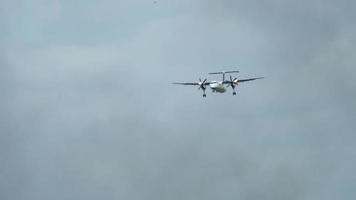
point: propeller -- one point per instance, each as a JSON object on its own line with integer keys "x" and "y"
{"x": 233, "y": 82}
{"x": 201, "y": 84}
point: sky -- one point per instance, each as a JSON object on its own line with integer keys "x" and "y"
{"x": 88, "y": 110}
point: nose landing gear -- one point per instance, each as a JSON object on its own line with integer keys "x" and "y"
{"x": 234, "y": 93}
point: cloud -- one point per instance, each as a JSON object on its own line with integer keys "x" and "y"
{"x": 86, "y": 120}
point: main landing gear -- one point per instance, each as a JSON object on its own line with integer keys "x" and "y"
{"x": 233, "y": 88}
{"x": 204, "y": 95}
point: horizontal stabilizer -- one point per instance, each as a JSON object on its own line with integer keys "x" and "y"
{"x": 224, "y": 72}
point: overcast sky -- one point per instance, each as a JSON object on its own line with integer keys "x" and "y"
{"x": 88, "y": 111}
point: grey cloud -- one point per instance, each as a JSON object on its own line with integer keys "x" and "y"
{"x": 103, "y": 120}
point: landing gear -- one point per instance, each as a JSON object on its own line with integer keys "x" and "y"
{"x": 234, "y": 92}
{"x": 204, "y": 95}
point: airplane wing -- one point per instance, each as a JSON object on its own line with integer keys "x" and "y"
{"x": 200, "y": 83}
{"x": 206, "y": 83}
{"x": 250, "y": 79}
{"x": 186, "y": 83}
{"x": 241, "y": 80}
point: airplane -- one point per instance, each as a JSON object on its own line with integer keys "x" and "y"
{"x": 220, "y": 86}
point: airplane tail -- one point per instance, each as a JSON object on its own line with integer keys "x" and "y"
{"x": 224, "y": 72}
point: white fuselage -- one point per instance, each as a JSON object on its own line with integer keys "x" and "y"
{"x": 217, "y": 86}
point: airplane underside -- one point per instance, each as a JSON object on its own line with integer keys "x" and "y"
{"x": 218, "y": 90}
{"x": 216, "y": 87}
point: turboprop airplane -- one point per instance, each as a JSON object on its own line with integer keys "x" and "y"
{"x": 219, "y": 86}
